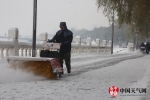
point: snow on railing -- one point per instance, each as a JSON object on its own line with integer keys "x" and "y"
{"x": 15, "y": 48}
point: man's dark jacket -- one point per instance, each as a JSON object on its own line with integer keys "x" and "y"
{"x": 65, "y": 38}
{"x": 148, "y": 46}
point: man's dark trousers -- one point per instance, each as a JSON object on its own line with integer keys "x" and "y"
{"x": 66, "y": 57}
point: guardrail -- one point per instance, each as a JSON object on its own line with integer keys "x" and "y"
{"x": 15, "y": 48}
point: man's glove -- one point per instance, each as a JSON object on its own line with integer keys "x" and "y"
{"x": 50, "y": 40}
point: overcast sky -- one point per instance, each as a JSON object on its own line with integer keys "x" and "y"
{"x": 78, "y": 14}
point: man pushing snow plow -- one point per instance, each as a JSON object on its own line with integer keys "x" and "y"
{"x": 64, "y": 36}
{"x": 50, "y": 63}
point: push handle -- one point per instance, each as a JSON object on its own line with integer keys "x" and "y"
{"x": 48, "y": 45}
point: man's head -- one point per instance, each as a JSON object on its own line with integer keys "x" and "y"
{"x": 63, "y": 26}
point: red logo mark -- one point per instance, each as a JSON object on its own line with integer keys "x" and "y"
{"x": 113, "y": 91}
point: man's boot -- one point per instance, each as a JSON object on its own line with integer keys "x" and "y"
{"x": 69, "y": 70}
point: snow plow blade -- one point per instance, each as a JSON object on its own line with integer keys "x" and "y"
{"x": 47, "y": 67}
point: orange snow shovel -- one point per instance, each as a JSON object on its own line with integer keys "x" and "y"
{"x": 41, "y": 66}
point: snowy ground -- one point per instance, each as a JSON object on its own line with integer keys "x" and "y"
{"x": 91, "y": 76}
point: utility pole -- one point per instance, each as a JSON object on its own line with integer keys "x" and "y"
{"x": 112, "y": 38}
{"x": 119, "y": 40}
{"x": 136, "y": 41}
{"x": 34, "y": 28}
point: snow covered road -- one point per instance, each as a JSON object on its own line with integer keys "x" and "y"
{"x": 90, "y": 78}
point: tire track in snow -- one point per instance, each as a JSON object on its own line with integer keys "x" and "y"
{"x": 91, "y": 64}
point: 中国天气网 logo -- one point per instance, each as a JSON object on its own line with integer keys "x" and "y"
{"x": 113, "y": 91}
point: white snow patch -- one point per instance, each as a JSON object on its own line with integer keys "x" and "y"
{"x": 141, "y": 83}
